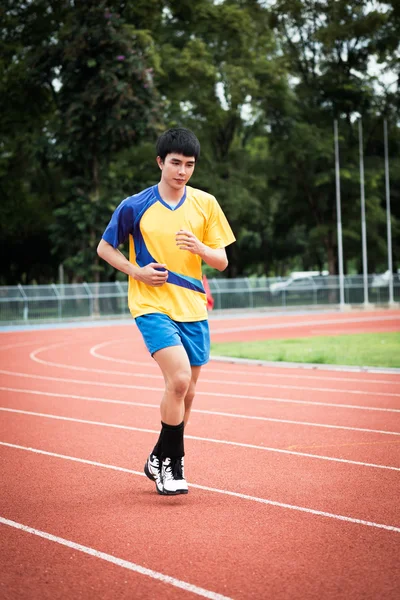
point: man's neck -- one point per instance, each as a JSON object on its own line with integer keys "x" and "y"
{"x": 169, "y": 194}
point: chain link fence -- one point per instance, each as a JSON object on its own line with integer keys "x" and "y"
{"x": 57, "y": 302}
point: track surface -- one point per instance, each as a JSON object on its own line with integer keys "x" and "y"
{"x": 294, "y": 474}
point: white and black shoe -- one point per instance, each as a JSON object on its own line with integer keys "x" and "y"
{"x": 152, "y": 470}
{"x": 172, "y": 477}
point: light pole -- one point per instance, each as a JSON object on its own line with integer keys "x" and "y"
{"x": 363, "y": 221}
{"x": 339, "y": 217}
{"x": 388, "y": 222}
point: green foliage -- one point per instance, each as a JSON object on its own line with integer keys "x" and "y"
{"x": 329, "y": 46}
{"x": 85, "y": 87}
{"x": 107, "y": 92}
{"x": 28, "y": 176}
{"x": 109, "y": 103}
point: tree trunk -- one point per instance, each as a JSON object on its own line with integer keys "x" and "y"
{"x": 331, "y": 248}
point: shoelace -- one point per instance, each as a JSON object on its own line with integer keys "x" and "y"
{"x": 175, "y": 468}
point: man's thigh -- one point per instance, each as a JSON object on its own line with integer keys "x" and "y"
{"x": 174, "y": 363}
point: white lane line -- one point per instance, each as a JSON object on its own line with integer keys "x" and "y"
{"x": 33, "y": 356}
{"x": 219, "y": 414}
{"x": 198, "y": 393}
{"x": 208, "y": 369}
{"x": 261, "y": 372}
{"x": 19, "y": 345}
{"x": 214, "y": 413}
{"x": 120, "y": 562}
{"x": 194, "y": 437}
{"x": 311, "y": 511}
{"x": 299, "y": 323}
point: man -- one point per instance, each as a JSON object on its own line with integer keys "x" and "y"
{"x": 171, "y": 228}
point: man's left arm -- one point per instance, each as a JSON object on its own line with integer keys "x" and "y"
{"x": 214, "y": 257}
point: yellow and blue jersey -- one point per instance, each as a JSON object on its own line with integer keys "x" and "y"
{"x": 151, "y": 226}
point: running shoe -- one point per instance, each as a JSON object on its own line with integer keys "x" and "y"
{"x": 172, "y": 477}
{"x": 152, "y": 470}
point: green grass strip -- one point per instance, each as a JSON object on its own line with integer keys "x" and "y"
{"x": 363, "y": 350}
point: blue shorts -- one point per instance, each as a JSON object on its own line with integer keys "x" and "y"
{"x": 159, "y": 331}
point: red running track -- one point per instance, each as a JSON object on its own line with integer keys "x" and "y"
{"x": 294, "y": 473}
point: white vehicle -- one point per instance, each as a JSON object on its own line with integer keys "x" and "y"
{"x": 381, "y": 280}
{"x": 297, "y": 280}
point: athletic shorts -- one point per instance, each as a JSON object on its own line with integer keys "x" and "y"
{"x": 160, "y": 331}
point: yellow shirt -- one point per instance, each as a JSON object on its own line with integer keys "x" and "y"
{"x": 151, "y": 226}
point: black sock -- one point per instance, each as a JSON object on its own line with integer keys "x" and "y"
{"x": 157, "y": 447}
{"x": 172, "y": 441}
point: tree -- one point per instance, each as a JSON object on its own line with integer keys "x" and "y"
{"x": 217, "y": 61}
{"x": 108, "y": 102}
{"x": 329, "y": 46}
{"x": 85, "y": 87}
{"x": 28, "y": 177}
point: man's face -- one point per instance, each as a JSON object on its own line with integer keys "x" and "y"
{"x": 176, "y": 169}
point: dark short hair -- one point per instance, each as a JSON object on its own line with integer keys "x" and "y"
{"x": 179, "y": 140}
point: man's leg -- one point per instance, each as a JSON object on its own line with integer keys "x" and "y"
{"x": 190, "y": 393}
{"x": 174, "y": 364}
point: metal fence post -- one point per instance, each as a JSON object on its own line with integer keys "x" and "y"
{"x": 250, "y": 292}
{"x": 54, "y": 287}
{"x": 120, "y": 289}
{"x": 218, "y": 292}
{"x": 26, "y": 302}
{"x": 91, "y": 299}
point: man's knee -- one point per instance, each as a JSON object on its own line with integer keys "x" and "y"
{"x": 179, "y": 384}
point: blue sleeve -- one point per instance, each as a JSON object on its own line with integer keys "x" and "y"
{"x": 120, "y": 225}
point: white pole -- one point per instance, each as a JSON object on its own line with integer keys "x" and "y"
{"x": 339, "y": 217}
{"x": 61, "y": 274}
{"x": 363, "y": 221}
{"x": 389, "y": 228}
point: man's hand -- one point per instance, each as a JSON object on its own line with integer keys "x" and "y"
{"x": 153, "y": 274}
{"x": 214, "y": 257}
{"x": 186, "y": 240}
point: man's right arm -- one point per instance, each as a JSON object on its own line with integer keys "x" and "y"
{"x": 153, "y": 274}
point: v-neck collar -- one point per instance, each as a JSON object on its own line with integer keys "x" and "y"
{"x": 157, "y": 195}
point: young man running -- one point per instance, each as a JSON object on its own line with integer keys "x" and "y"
{"x": 171, "y": 228}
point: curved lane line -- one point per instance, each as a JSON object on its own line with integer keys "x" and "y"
{"x": 33, "y": 356}
{"x": 94, "y": 352}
